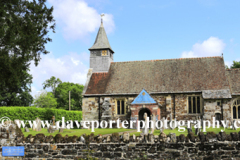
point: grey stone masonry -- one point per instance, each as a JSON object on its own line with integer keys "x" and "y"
{"x": 115, "y": 146}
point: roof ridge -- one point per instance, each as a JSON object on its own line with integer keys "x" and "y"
{"x": 100, "y": 72}
{"x": 233, "y": 69}
{"x": 168, "y": 59}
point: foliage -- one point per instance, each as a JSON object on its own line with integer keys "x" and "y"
{"x": 52, "y": 82}
{"x": 226, "y": 67}
{"x": 236, "y": 64}
{"x": 45, "y": 100}
{"x": 15, "y": 82}
{"x": 62, "y": 95}
{"x": 24, "y": 26}
{"x": 31, "y": 113}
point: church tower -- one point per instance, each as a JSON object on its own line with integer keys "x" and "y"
{"x": 101, "y": 53}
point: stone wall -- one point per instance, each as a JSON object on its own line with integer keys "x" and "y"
{"x": 90, "y": 106}
{"x": 209, "y": 146}
{"x": 180, "y": 100}
{"x": 211, "y": 108}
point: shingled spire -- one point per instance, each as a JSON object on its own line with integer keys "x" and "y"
{"x": 101, "y": 53}
{"x": 101, "y": 41}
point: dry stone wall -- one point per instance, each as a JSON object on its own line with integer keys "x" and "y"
{"x": 204, "y": 146}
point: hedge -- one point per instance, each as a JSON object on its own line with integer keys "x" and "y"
{"x": 31, "y": 113}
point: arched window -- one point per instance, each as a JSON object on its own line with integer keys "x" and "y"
{"x": 236, "y": 109}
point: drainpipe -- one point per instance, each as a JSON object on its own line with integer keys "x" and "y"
{"x": 174, "y": 106}
{"x": 99, "y": 112}
{"x": 221, "y": 109}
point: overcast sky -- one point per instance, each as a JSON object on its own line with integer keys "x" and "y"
{"x": 138, "y": 30}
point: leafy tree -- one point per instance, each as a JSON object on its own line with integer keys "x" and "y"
{"x": 226, "y": 67}
{"x": 52, "y": 82}
{"x": 62, "y": 94}
{"x": 236, "y": 64}
{"x": 24, "y": 27}
{"x": 15, "y": 91}
{"x": 45, "y": 100}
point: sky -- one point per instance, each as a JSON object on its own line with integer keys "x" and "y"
{"x": 137, "y": 30}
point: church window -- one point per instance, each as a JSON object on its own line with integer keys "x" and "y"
{"x": 194, "y": 104}
{"x": 218, "y": 116}
{"x": 120, "y": 107}
{"x": 123, "y": 107}
{"x": 236, "y": 109}
{"x": 234, "y": 112}
{"x": 104, "y": 52}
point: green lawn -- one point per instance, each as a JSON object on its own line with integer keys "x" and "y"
{"x": 77, "y": 132}
{"x": 167, "y": 131}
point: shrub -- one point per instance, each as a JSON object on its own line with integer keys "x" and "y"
{"x": 31, "y": 113}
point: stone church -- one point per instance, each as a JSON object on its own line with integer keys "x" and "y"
{"x": 184, "y": 88}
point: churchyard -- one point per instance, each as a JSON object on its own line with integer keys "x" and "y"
{"x": 78, "y": 132}
{"x": 72, "y": 132}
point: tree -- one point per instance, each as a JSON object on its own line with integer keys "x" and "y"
{"x": 62, "y": 94}
{"x": 235, "y": 64}
{"x": 15, "y": 91}
{"x": 52, "y": 82}
{"x": 24, "y": 27}
{"x": 45, "y": 100}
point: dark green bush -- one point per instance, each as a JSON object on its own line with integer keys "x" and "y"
{"x": 31, "y": 113}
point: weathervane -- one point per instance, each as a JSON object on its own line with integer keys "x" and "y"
{"x": 102, "y": 17}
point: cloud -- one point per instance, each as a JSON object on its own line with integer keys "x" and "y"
{"x": 72, "y": 67}
{"x": 213, "y": 46}
{"x": 228, "y": 63}
{"x": 78, "y": 19}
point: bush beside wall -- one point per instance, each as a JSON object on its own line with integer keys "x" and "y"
{"x": 31, "y": 113}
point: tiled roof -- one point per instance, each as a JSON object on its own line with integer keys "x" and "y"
{"x": 234, "y": 80}
{"x": 101, "y": 41}
{"x": 160, "y": 76}
{"x": 97, "y": 84}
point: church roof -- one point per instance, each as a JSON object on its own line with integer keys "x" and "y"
{"x": 143, "y": 98}
{"x": 234, "y": 80}
{"x": 101, "y": 41}
{"x": 160, "y": 76}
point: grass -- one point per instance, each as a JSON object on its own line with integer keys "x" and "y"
{"x": 77, "y": 132}
{"x": 167, "y": 131}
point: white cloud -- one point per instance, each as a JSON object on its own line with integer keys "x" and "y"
{"x": 228, "y": 63}
{"x": 64, "y": 68}
{"x": 213, "y": 46}
{"x": 78, "y": 19}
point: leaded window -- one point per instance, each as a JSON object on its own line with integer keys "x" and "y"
{"x": 194, "y": 104}
{"x": 120, "y": 107}
{"x": 236, "y": 109}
